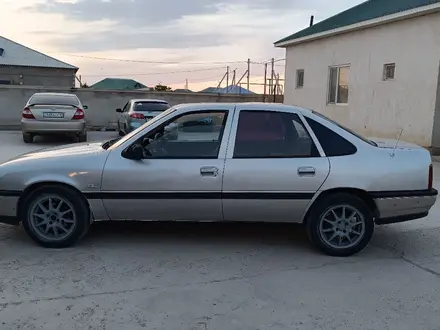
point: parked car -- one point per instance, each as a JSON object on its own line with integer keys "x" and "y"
{"x": 257, "y": 163}
{"x": 136, "y": 112}
{"x": 53, "y": 113}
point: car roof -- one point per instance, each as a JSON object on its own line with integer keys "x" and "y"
{"x": 148, "y": 100}
{"x": 258, "y": 106}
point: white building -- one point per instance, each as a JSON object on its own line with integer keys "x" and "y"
{"x": 374, "y": 68}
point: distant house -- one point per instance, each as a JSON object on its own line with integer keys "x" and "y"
{"x": 118, "y": 84}
{"x": 230, "y": 90}
{"x": 20, "y": 65}
{"x": 183, "y": 90}
{"x": 373, "y": 68}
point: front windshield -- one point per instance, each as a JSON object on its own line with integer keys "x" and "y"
{"x": 148, "y": 123}
{"x": 345, "y": 128}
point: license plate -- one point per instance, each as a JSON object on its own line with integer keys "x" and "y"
{"x": 53, "y": 115}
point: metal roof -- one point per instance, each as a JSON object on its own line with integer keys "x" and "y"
{"x": 15, "y": 54}
{"x": 365, "y": 11}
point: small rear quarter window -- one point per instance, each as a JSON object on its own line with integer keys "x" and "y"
{"x": 332, "y": 143}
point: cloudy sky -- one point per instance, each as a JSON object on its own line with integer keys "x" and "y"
{"x": 164, "y": 41}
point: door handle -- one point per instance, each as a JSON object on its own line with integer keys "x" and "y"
{"x": 306, "y": 171}
{"x": 208, "y": 171}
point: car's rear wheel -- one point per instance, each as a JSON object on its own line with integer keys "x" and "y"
{"x": 55, "y": 216}
{"x": 28, "y": 138}
{"x": 82, "y": 137}
{"x": 340, "y": 224}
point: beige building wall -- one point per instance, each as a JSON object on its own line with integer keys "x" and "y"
{"x": 375, "y": 107}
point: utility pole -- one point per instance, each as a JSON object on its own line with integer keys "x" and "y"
{"x": 227, "y": 79}
{"x": 275, "y": 90}
{"x": 271, "y": 76}
{"x": 186, "y": 83}
{"x": 248, "y": 72}
{"x": 265, "y": 78}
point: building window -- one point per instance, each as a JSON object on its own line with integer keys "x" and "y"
{"x": 1, "y": 51}
{"x": 299, "y": 78}
{"x": 338, "y": 84}
{"x": 388, "y": 71}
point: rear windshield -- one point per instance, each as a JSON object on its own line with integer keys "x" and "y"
{"x": 54, "y": 99}
{"x": 150, "y": 106}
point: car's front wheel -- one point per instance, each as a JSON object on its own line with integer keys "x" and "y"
{"x": 340, "y": 224}
{"x": 55, "y": 216}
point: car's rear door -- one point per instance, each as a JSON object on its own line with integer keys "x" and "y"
{"x": 182, "y": 177}
{"x": 273, "y": 167}
{"x": 54, "y": 108}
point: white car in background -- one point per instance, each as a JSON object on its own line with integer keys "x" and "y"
{"x": 137, "y": 112}
{"x": 53, "y": 113}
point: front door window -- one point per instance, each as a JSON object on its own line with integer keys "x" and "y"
{"x": 190, "y": 136}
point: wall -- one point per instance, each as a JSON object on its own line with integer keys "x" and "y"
{"x": 102, "y": 105}
{"x": 64, "y": 78}
{"x": 375, "y": 107}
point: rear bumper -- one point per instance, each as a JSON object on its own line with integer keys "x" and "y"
{"x": 8, "y": 209}
{"x": 36, "y": 126}
{"x": 403, "y": 206}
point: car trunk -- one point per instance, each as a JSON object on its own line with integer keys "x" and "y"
{"x": 52, "y": 112}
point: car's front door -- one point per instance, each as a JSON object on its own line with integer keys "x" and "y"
{"x": 181, "y": 175}
{"x": 273, "y": 167}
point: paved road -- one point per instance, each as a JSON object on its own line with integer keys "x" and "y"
{"x": 211, "y": 276}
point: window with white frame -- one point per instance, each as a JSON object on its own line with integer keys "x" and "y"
{"x": 299, "y": 78}
{"x": 389, "y": 71}
{"x": 338, "y": 89}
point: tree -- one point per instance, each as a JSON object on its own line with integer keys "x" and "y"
{"x": 84, "y": 85}
{"x": 161, "y": 88}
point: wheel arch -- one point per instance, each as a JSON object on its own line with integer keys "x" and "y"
{"x": 362, "y": 194}
{"x": 35, "y": 185}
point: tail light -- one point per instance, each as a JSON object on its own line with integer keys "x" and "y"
{"x": 430, "y": 177}
{"x": 137, "y": 116}
{"x": 27, "y": 113}
{"x": 79, "y": 114}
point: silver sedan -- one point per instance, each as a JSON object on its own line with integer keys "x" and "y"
{"x": 53, "y": 113}
{"x": 247, "y": 162}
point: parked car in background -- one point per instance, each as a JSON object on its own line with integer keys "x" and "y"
{"x": 246, "y": 162}
{"x": 53, "y": 113}
{"x": 138, "y": 111}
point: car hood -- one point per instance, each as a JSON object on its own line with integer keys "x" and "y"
{"x": 391, "y": 143}
{"x": 76, "y": 149}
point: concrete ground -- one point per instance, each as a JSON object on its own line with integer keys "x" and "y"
{"x": 217, "y": 276}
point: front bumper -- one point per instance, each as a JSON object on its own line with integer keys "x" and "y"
{"x": 400, "y": 206}
{"x": 8, "y": 209}
{"x": 36, "y": 126}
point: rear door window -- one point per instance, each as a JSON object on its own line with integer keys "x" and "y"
{"x": 271, "y": 134}
{"x": 54, "y": 99}
{"x": 150, "y": 106}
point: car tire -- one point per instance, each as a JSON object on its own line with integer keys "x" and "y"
{"x": 55, "y": 225}
{"x": 82, "y": 137}
{"x": 337, "y": 232}
{"x": 28, "y": 138}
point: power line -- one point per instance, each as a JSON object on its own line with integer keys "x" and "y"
{"x": 150, "y": 73}
{"x": 150, "y": 62}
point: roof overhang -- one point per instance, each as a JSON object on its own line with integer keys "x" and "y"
{"x": 420, "y": 11}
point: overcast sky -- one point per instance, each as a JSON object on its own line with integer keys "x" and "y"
{"x": 198, "y": 36}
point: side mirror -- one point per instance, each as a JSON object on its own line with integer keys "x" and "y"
{"x": 85, "y": 107}
{"x": 118, "y": 110}
{"x": 135, "y": 152}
